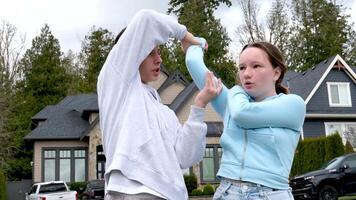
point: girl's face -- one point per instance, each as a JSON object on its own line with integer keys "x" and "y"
{"x": 150, "y": 66}
{"x": 256, "y": 73}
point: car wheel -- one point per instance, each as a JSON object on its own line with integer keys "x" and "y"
{"x": 328, "y": 192}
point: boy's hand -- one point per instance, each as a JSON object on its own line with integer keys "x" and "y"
{"x": 211, "y": 89}
{"x": 188, "y": 40}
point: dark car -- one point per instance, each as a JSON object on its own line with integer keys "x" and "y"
{"x": 95, "y": 190}
{"x": 336, "y": 178}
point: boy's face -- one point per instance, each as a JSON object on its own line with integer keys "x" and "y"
{"x": 150, "y": 66}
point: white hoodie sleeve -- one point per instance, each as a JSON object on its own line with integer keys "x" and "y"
{"x": 191, "y": 138}
{"x": 145, "y": 31}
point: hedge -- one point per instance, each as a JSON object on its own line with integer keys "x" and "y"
{"x": 190, "y": 182}
{"x": 78, "y": 186}
{"x": 3, "y": 183}
{"x": 312, "y": 153}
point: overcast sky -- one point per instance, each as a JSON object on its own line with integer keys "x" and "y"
{"x": 71, "y": 20}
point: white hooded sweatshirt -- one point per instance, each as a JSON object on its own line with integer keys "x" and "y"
{"x": 141, "y": 137}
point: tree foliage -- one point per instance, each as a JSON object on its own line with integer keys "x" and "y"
{"x": 95, "y": 49}
{"x": 198, "y": 17}
{"x": 43, "y": 81}
{"x": 318, "y": 30}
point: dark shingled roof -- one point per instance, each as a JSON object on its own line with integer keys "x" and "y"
{"x": 303, "y": 83}
{"x": 66, "y": 120}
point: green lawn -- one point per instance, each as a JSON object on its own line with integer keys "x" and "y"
{"x": 347, "y": 198}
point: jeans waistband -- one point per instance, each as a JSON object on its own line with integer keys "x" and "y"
{"x": 241, "y": 183}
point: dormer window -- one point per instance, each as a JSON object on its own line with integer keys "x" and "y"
{"x": 339, "y": 94}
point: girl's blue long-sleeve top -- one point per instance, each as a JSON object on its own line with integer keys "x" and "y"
{"x": 259, "y": 138}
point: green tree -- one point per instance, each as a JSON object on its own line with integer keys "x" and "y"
{"x": 348, "y": 148}
{"x": 198, "y": 16}
{"x": 43, "y": 81}
{"x": 75, "y": 73}
{"x": 44, "y": 77}
{"x": 95, "y": 48}
{"x": 320, "y": 30}
{"x": 350, "y": 46}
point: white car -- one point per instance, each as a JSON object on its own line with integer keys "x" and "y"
{"x": 51, "y": 190}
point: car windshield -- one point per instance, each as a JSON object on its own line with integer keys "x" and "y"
{"x": 53, "y": 187}
{"x": 97, "y": 184}
{"x": 332, "y": 164}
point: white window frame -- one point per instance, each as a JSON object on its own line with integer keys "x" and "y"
{"x": 343, "y": 129}
{"x": 348, "y": 94}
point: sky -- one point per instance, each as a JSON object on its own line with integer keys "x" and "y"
{"x": 71, "y": 20}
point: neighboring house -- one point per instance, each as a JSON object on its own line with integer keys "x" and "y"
{"x": 329, "y": 91}
{"x": 67, "y": 143}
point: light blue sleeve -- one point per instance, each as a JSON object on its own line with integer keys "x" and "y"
{"x": 285, "y": 111}
{"x": 194, "y": 60}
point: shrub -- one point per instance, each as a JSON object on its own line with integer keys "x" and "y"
{"x": 334, "y": 147}
{"x": 208, "y": 190}
{"x": 197, "y": 192}
{"x": 78, "y": 186}
{"x": 3, "y": 183}
{"x": 312, "y": 153}
{"x": 190, "y": 182}
{"x": 348, "y": 148}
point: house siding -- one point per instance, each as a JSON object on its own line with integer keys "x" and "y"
{"x": 209, "y": 116}
{"x": 170, "y": 93}
{"x": 316, "y": 127}
{"x": 319, "y": 103}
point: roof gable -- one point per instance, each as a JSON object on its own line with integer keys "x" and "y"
{"x": 175, "y": 77}
{"x": 305, "y": 84}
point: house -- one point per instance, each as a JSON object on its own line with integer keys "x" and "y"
{"x": 67, "y": 141}
{"x": 329, "y": 91}
{"x": 66, "y": 137}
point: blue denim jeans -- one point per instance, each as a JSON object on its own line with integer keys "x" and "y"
{"x": 234, "y": 190}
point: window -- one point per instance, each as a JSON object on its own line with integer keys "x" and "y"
{"x": 351, "y": 161}
{"x": 49, "y": 165}
{"x": 210, "y": 164}
{"x": 339, "y": 94}
{"x": 79, "y": 165}
{"x": 67, "y": 165}
{"x": 347, "y": 131}
{"x": 64, "y": 165}
{"x": 186, "y": 171}
{"x": 33, "y": 189}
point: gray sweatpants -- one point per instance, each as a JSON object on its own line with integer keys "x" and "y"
{"x": 121, "y": 196}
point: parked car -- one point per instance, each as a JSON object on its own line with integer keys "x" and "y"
{"x": 51, "y": 190}
{"x": 336, "y": 178}
{"x": 95, "y": 190}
